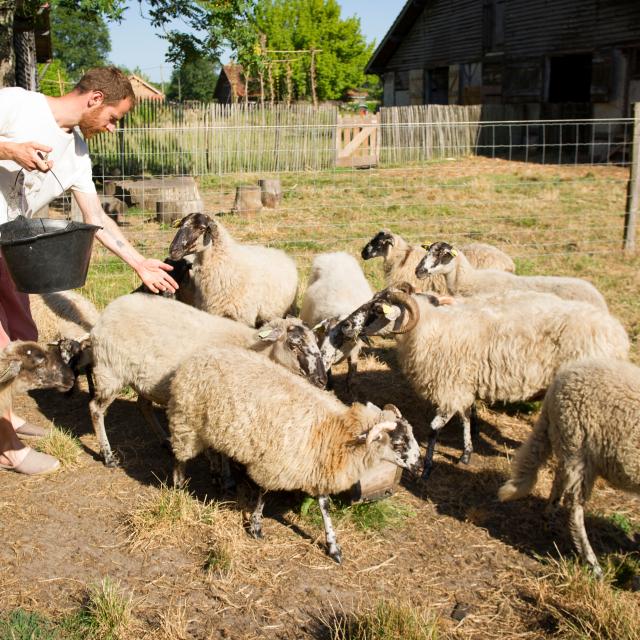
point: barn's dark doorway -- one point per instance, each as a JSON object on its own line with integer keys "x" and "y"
{"x": 570, "y": 78}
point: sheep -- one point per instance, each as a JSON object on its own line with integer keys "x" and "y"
{"x": 402, "y": 258}
{"x": 67, "y": 315}
{"x": 249, "y": 283}
{"x": 28, "y": 365}
{"x": 290, "y": 435}
{"x": 465, "y": 280}
{"x": 507, "y": 349}
{"x": 590, "y": 420}
{"x": 336, "y": 287}
{"x": 139, "y": 340}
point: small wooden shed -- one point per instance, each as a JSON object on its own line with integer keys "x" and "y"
{"x": 143, "y": 90}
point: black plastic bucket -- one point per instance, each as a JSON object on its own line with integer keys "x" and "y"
{"x": 45, "y": 255}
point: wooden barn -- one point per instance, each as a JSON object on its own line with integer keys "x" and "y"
{"x": 143, "y": 90}
{"x": 519, "y": 52}
{"x": 230, "y": 87}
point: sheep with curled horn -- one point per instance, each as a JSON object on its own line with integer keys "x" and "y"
{"x": 248, "y": 283}
{"x": 463, "y": 279}
{"x": 504, "y": 350}
{"x": 139, "y": 340}
{"x": 289, "y": 434}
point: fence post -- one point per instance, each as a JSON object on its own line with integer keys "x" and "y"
{"x": 633, "y": 190}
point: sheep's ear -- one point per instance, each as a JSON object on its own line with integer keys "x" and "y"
{"x": 392, "y": 407}
{"x": 11, "y": 371}
{"x": 321, "y": 328}
{"x": 372, "y": 406}
{"x": 375, "y": 433}
{"x": 270, "y": 334}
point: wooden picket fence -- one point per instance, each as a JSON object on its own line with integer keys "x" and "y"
{"x": 216, "y": 139}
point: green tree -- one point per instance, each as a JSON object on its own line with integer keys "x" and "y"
{"x": 194, "y": 79}
{"x": 313, "y": 24}
{"x": 80, "y": 39}
{"x": 53, "y": 77}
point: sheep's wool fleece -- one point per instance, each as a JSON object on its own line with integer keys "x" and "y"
{"x": 505, "y": 350}
{"x": 64, "y": 314}
{"x": 592, "y": 414}
{"x": 140, "y": 340}
{"x": 249, "y": 283}
{"x": 337, "y": 287}
{"x": 467, "y": 280}
{"x": 289, "y": 434}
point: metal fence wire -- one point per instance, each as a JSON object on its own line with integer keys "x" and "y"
{"x": 531, "y": 187}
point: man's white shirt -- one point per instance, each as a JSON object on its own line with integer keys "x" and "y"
{"x": 25, "y": 116}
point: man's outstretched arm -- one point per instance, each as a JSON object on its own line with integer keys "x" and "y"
{"x": 154, "y": 273}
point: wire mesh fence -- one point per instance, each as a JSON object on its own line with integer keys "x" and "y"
{"x": 535, "y": 188}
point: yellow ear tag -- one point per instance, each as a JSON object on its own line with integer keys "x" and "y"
{"x": 176, "y": 223}
{"x": 264, "y": 333}
{"x": 386, "y": 308}
{"x": 454, "y": 252}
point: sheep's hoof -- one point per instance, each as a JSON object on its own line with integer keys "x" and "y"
{"x": 335, "y": 552}
{"x": 256, "y": 531}
{"x": 465, "y": 458}
{"x": 597, "y": 572}
{"x": 112, "y": 462}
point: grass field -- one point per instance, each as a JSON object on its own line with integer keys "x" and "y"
{"x": 105, "y": 553}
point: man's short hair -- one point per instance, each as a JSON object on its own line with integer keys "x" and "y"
{"x": 114, "y": 85}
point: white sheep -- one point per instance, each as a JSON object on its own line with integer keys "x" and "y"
{"x": 463, "y": 279}
{"x": 289, "y": 434}
{"x": 249, "y": 283}
{"x": 590, "y": 421}
{"x": 402, "y": 258}
{"x": 139, "y": 340}
{"x": 64, "y": 314}
{"x": 337, "y": 286}
{"x": 501, "y": 350}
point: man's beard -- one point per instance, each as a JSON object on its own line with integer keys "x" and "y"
{"x": 89, "y": 123}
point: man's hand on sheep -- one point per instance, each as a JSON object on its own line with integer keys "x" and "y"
{"x": 154, "y": 274}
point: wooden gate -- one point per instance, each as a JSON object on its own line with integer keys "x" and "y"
{"x": 357, "y": 141}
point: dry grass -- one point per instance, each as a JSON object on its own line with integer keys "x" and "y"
{"x": 63, "y": 445}
{"x": 580, "y": 606}
{"x": 165, "y": 515}
{"x": 385, "y": 621}
{"x": 110, "y": 611}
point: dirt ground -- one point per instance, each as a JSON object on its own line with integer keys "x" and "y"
{"x": 459, "y": 552}
{"x": 461, "y": 549}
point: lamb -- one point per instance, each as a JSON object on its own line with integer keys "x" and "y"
{"x": 67, "y": 315}
{"x": 139, "y": 340}
{"x": 249, "y": 283}
{"x": 402, "y": 258}
{"x": 504, "y": 350}
{"x": 336, "y": 287}
{"x": 29, "y": 365}
{"x": 590, "y": 420}
{"x": 290, "y": 435}
{"x": 464, "y": 280}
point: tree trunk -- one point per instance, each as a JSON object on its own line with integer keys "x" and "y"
{"x": 26, "y": 66}
{"x": 7, "y": 58}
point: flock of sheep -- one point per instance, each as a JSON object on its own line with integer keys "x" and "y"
{"x": 243, "y": 380}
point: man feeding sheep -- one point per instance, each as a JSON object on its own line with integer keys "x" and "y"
{"x": 42, "y": 154}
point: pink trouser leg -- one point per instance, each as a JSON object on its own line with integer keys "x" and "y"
{"x": 16, "y": 323}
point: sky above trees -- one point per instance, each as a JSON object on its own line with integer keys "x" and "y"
{"x": 134, "y": 43}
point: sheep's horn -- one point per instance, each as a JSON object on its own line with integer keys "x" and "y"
{"x": 377, "y": 429}
{"x": 405, "y": 300}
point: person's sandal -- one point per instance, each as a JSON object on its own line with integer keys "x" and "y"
{"x": 35, "y": 463}
{"x": 30, "y": 430}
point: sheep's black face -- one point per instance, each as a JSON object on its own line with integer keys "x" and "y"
{"x": 194, "y": 235}
{"x": 404, "y": 446}
{"x": 378, "y": 246}
{"x": 439, "y": 256}
{"x": 40, "y": 368}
